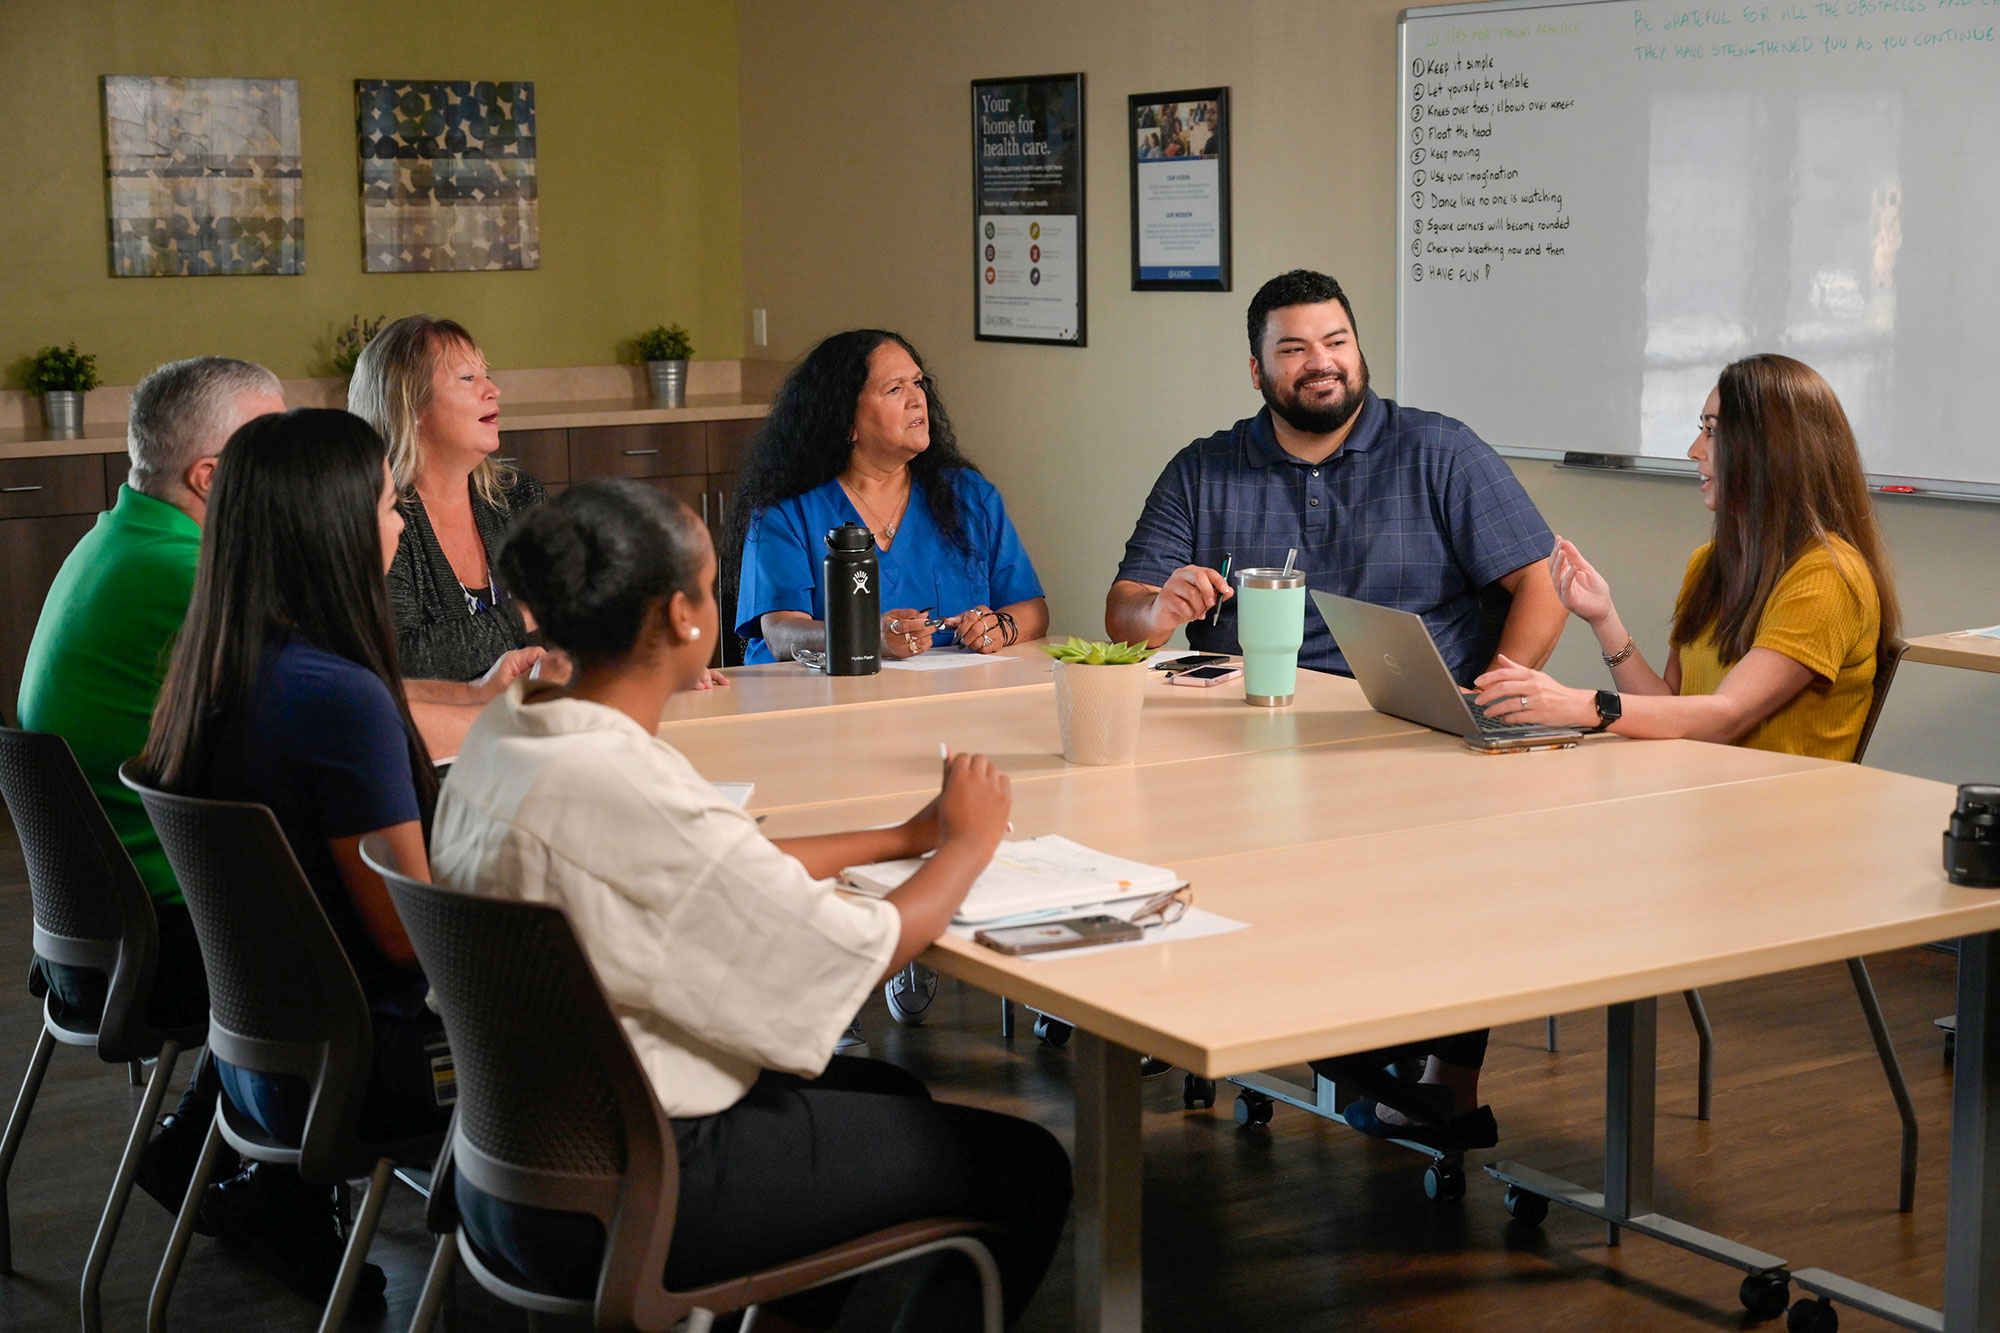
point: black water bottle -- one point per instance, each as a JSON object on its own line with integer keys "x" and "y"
{"x": 853, "y": 602}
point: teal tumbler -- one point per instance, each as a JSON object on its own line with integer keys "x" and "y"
{"x": 1270, "y": 626}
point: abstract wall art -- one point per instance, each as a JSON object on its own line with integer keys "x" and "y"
{"x": 447, "y": 175}
{"x": 203, "y": 176}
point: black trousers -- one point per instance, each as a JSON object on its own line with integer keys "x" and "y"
{"x": 799, "y": 1165}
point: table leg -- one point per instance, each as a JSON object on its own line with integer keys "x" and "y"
{"x": 1972, "y": 1236}
{"x": 1108, "y": 1182}
{"x": 1631, "y": 1060}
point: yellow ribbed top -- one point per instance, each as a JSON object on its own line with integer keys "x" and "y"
{"x": 1825, "y": 615}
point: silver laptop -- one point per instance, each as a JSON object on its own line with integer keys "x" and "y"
{"x": 1393, "y": 656}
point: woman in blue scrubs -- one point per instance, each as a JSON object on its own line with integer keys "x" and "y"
{"x": 858, "y": 435}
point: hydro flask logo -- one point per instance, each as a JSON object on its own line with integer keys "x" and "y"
{"x": 861, "y": 580}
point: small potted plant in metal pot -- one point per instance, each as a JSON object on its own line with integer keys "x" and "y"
{"x": 1100, "y": 690}
{"x": 666, "y": 350}
{"x": 62, "y": 376}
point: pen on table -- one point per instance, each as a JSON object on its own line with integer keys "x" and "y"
{"x": 1215, "y": 612}
{"x": 944, "y": 753}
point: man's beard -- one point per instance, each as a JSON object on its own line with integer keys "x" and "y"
{"x": 1318, "y": 420}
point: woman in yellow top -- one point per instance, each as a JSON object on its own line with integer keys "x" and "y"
{"x": 1783, "y": 615}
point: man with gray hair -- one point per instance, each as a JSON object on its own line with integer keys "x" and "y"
{"x": 100, "y": 649}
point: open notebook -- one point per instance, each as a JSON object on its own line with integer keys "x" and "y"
{"x": 1048, "y": 873}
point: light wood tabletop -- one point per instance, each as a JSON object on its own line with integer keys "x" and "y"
{"x": 1397, "y": 886}
{"x": 788, "y": 687}
{"x": 799, "y": 758}
{"x": 1972, "y": 652}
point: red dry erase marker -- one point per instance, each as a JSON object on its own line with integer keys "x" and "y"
{"x": 1898, "y": 490}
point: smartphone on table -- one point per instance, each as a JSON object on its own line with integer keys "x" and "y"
{"x": 1077, "y": 932}
{"x": 1176, "y": 665}
{"x": 1206, "y": 675}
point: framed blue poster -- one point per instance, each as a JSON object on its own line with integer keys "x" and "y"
{"x": 1179, "y": 149}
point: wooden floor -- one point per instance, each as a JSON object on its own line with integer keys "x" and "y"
{"x": 1303, "y": 1225}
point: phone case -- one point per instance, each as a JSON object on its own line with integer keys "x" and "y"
{"x": 1198, "y": 679}
{"x": 1045, "y": 936}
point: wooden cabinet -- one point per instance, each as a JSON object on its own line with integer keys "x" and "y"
{"x": 694, "y": 461}
{"x": 46, "y": 505}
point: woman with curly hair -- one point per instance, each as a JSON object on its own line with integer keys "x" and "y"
{"x": 858, "y": 435}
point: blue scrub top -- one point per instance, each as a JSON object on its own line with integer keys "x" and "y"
{"x": 786, "y": 543}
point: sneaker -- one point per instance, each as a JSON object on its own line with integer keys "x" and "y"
{"x": 291, "y": 1230}
{"x": 910, "y": 993}
{"x": 852, "y": 1042}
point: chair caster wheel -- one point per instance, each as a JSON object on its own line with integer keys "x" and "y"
{"x": 1197, "y": 1091}
{"x": 1812, "y": 1315}
{"x": 1253, "y": 1108}
{"x": 1765, "y": 1294}
{"x": 1445, "y": 1182}
{"x": 1051, "y": 1030}
{"x": 1526, "y": 1208}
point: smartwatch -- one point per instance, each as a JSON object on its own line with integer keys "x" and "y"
{"x": 1609, "y": 709}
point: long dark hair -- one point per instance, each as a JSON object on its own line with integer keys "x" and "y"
{"x": 806, "y": 440}
{"x": 1787, "y": 474}
{"x": 290, "y": 546}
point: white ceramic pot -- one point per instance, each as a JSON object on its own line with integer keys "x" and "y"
{"x": 1098, "y": 709}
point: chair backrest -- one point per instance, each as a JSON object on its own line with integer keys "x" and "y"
{"x": 1885, "y": 673}
{"x": 283, "y": 999}
{"x": 91, "y": 908}
{"x": 554, "y": 1110}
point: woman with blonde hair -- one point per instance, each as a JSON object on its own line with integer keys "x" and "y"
{"x": 423, "y": 384}
{"x": 1783, "y": 616}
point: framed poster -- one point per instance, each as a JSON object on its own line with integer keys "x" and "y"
{"x": 1027, "y": 209}
{"x": 1179, "y": 150}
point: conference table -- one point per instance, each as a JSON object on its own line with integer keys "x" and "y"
{"x": 1537, "y": 883}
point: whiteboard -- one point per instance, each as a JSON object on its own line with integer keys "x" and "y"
{"x": 1604, "y": 203}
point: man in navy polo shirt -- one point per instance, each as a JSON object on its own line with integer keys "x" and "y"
{"x": 1385, "y": 503}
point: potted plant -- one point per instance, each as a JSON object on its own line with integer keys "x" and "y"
{"x": 666, "y": 350}
{"x": 1100, "y": 689}
{"x": 349, "y": 342}
{"x": 62, "y": 376}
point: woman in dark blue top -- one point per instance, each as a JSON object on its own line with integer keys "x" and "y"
{"x": 858, "y": 435}
{"x": 284, "y": 690}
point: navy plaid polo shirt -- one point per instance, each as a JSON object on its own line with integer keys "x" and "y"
{"x": 1414, "y": 511}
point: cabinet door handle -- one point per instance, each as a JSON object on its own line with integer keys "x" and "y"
{"x": 638, "y": 453}
{"x": 721, "y": 507}
{"x": 704, "y": 509}
{"x": 17, "y": 490}
{"x": 507, "y": 462}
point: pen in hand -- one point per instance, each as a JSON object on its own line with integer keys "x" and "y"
{"x": 1215, "y": 612}
{"x": 944, "y": 754}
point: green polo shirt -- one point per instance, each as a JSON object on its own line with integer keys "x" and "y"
{"x": 100, "y": 655}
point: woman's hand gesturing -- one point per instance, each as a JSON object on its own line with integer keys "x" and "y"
{"x": 1581, "y": 588}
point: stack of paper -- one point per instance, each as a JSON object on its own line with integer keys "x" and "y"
{"x": 1049, "y": 873}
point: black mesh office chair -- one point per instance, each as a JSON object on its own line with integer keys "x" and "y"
{"x": 91, "y": 910}
{"x": 554, "y": 1112}
{"x": 283, "y": 1000}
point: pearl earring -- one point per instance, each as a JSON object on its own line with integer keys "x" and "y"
{"x": 694, "y": 631}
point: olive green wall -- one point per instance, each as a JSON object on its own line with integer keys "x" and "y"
{"x": 638, "y": 161}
